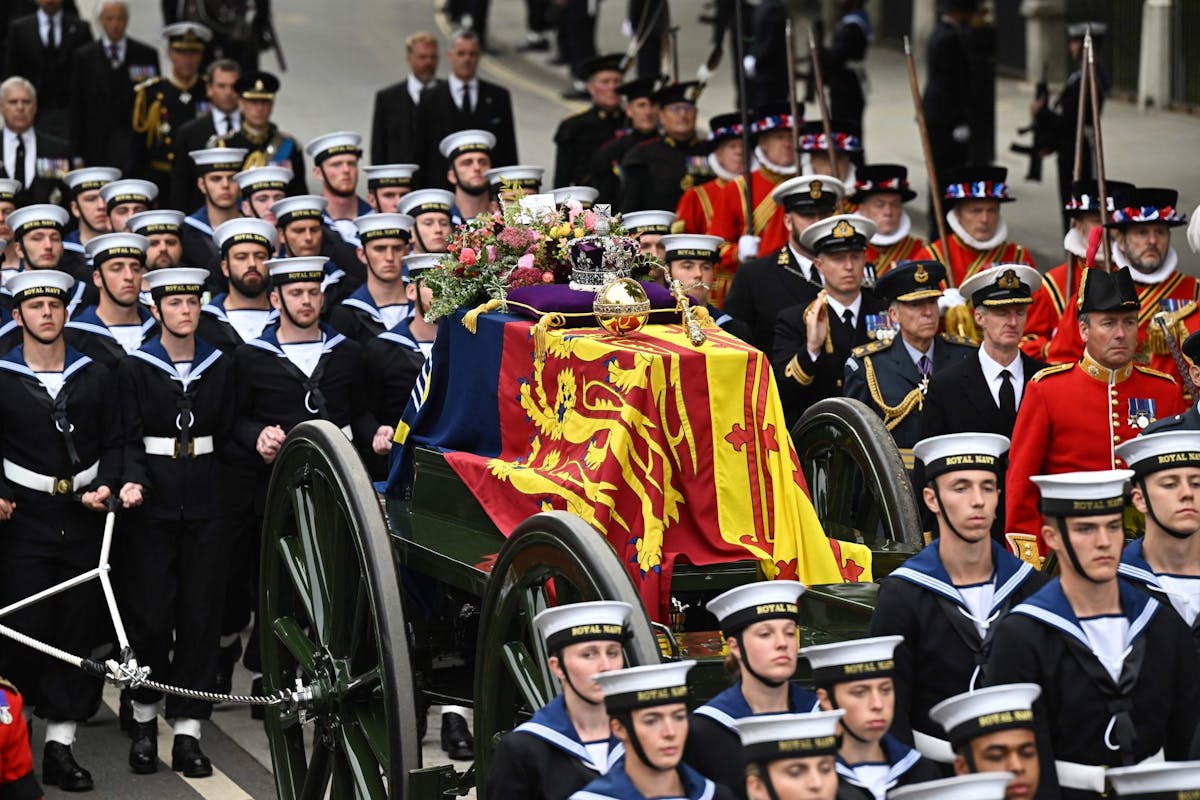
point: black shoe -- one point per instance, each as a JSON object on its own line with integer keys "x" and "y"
{"x": 456, "y": 738}
{"x": 534, "y": 46}
{"x": 227, "y": 660}
{"x": 256, "y": 689}
{"x": 143, "y": 751}
{"x": 186, "y": 757}
{"x": 59, "y": 768}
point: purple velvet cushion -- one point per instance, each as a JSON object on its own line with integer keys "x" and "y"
{"x": 560, "y": 298}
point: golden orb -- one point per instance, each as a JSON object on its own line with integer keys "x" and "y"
{"x": 622, "y": 306}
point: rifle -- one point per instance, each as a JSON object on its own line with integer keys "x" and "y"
{"x": 935, "y": 191}
{"x": 744, "y": 108}
{"x": 1098, "y": 132}
{"x": 822, "y": 105}
{"x": 1042, "y": 140}
{"x": 1077, "y": 169}
{"x": 794, "y": 107}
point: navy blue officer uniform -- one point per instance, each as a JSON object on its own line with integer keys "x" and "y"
{"x": 271, "y": 147}
{"x": 222, "y": 325}
{"x": 1190, "y": 419}
{"x": 87, "y": 332}
{"x": 360, "y": 316}
{"x": 580, "y": 135}
{"x": 657, "y": 172}
{"x": 605, "y": 169}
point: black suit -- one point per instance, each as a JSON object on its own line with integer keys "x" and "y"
{"x": 102, "y": 101}
{"x": 440, "y": 116}
{"x": 394, "y": 126}
{"x": 195, "y": 134}
{"x": 48, "y": 68}
{"x": 761, "y": 289}
{"x": 947, "y": 94}
{"x": 53, "y": 160}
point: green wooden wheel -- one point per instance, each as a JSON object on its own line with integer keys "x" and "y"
{"x": 331, "y": 615}
{"x": 860, "y": 488}
{"x": 509, "y": 669}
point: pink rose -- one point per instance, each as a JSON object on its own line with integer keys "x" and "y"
{"x": 525, "y": 261}
{"x": 491, "y": 253}
{"x": 547, "y": 277}
{"x": 589, "y": 220}
{"x": 574, "y": 209}
{"x": 467, "y": 256}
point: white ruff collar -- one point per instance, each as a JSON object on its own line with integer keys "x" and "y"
{"x": 718, "y": 170}
{"x": 778, "y": 169}
{"x": 1148, "y": 278}
{"x": 1076, "y": 245}
{"x": 887, "y": 240}
{"x": 997, "y": 239}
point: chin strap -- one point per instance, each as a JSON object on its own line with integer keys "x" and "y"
{"x": 571, "y": 684}
{"x": 111, "y": 296}
{"x": 1062, "y": 529}
{"x": 626, "y": 719}
{"x": 1150, "y": 510}
{"x": 745, "y": 661}
{"x": 937, "y": 495}
{"x": 832, "y": 695}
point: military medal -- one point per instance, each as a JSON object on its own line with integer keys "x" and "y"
{"x": 185, "y": 97}
{"x": 5, "y": 716}
{"x": 1141, "y": 412}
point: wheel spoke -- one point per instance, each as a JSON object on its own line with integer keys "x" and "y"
{"x": 291, "y": 554}
{"x": 371, "y": 720}
{"x": 316, "y": 780}
{"x": 362, "y": 685}
{"x": 289, "y": 632}
{"x": 361, "y": 638}
{"x": 314, "y": 544}
{"x": 335, "y": 566}
{"x": 359, "y": 765}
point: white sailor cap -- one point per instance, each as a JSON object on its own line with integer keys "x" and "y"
{"x": 116, "y": 245}
{"x": 9, "y": 187}
{"x": 258, "y": 179}
{"x": 644, "y": 686}
{"x": 809, "y": 193}
{"x": 424, "y": 201}
{"x": 837, "y": 234}
{"x": 338, "y": 143}
{"x": 39, "y": 215}
{"x": 1155, "y": 452}
{"x": 218, "y": 159}
{"x": 384, "y": 226}
{"x": 584, "y": 195}
{"x": 1002, "y": 285}
{"x": 128, "y": 190}
{"x": 953, "y": 452}
{"x": 176, "y": 280}
{"x": 87, "y": 179}
{"x": 417, "y": 263}
{"x": 187, "y": 35}
{"x": 162, "y": 220}
{"x": 516, "y": 176}
{"x": 1078, "y": 30}
{"x": 979, "y": 786}
{"x": 648, "y": 221}
{"x": 244, "y": 230}
{"x": 970, "y": 715}
{"x": 853, "y": 660}
{"x": 301, "y": 206}
{"x": 302, "y": 269}
{"x": 1161, "y": 779}
{"x": 471, "y": 140}
{"x": 39, "y": 283}
{"x": 755, "y": 602}
{"x": 380, "y": 175}
{"x": 1083, "y": 494}
{"x": 679, "y": 246}
{"x": 598, "y": 620}
{"x": 768, "y": 737}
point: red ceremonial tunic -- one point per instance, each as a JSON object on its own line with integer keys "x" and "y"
{"x": 965, "y": 260}
{"x": 729, "y": 217}
{"x": 694, "y": 214}
{"x": 1071, "y": 419}
{"x": 1049, "y": 302}
{"x": 17, "y": 779}
{"x": 910, "y": 248}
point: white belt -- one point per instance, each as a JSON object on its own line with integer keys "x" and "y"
{"x": 933, "y": 748}
{"x": 1087, "y": 777}
{"x": 46, "y": 483}
{"x": 169, "y": 446}
{"x": 348, "y": 433}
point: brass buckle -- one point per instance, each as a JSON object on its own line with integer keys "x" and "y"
{"x": 191, "y": 449}
{"x": 62, "y": 486}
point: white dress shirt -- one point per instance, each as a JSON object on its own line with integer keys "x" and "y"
{"x": 457, "y": 85}
{"x": 806, "y": 267}
{"x": 234, "y": 121}
{"x": 415, "y": 87}
{"x": 110, "y": 46}
{"x": 991, "y": 374}
{"x": 50, "y": 28}
{"x": 10, "y": 154}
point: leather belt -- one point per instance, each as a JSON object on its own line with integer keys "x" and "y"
{"x": 48, "y": 483}
{"x": 170, "y": 446}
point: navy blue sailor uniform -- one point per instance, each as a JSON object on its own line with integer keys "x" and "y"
{"x": 395, "y": 360}
{"x": 713, "y": 745}
{"x": 544, "y": 759}
{"x": 227, "y": 328}
{"x": 1135, "y": 569}
{"x": 904, "y": 766}
{"x": 89, "y": 334}
{"x": 946, "y": 635}
{"x": 360, "y": 318}
{"x": 615, "y": 785}
{"x": 345, "y": 227}
{"x": 53, "y": 449}
{"x": 1094, "y": 712}
{"x": 196, "y": 236}
{"x": 175, "y": 549}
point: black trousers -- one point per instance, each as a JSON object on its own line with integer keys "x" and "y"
{"x": 174, "y": 584}
{"x": 537, "y": 15}
{"x": 579, "y": 34}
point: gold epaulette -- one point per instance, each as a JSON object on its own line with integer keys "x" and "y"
{"x": 146, "y": 84}
{"x": 576, "y": 114}
{"x": 1054, "y": 369}
{"x": 954, "y": 338}
{"x": 1154, "y": 372}
{"x": 871, "y": 348}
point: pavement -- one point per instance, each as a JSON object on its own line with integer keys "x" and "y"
{"x": 340, "y": 54}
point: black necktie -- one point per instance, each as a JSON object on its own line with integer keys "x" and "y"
{"x": 1008, "y": 397}
{"x": 466, "y": 104}
{"x": 224, "y": 124}
{"x": 112, "y": 56}
{"x": 19, "y": 166}
{"x": 848, "y": 318}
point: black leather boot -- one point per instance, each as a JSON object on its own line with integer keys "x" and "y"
{"x": 59, "y": 768}
{"x": 186, "y": 757}
{"x": 456, "y": 738}
{"x": 143, "y": 750}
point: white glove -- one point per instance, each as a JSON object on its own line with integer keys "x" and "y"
{"x": 627, "y": 28}
{"x": 749, "y": 63}
{"x": 961, "y": 134}
{"x": 951, "y": 298}
{"x": 1193, "y": 231}
{"x": 748, "y": 247}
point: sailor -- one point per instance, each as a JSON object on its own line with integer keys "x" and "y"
{"x": 87, "y": 206}
{"x": 469, "y": 157}
{"x": 988, "y": 786}
{"x": 647, "y": 709}
{"x": 242, "y": 313}
{"x": 790, "y": 756}
{"x": 510, "y": 183}
{"x": 60, "y": 442}
{"x": 1049, "y": 303}
{"x": 892, "y": 375}
{"x": 568, "y": 743}
{"x": 118, "y": 324}
{"x": 38, "y": 232}
{"x": 759, "y": 623}
{"x": 303, "y": 234}
{"x": 430, "y": 211}
{"x": 261, "y": 188}
{"x": 813, "y": 339}
{"x": 265, "y": 143}
{"x": 658, "y": 171}
{"x": 1162, "y": 781}
{"x": 648, "y": 229}
{"x": 17, "y": 780}
{"x": 1117, "y": 668}
{"x": 10, "y": 259}
{"x": 642, "y": 111}
{"x": 725, "y": 153}
{"x": 1166, "y": 560}
{"x": 1073, "y": 416}
{"x": 388, "y": 183}
{"x": 857, "y": 676}
{"x": 163, "y": 230}
{"x": 163, "y": 103}
{"x": 335, "y": 164}
{"x": 847, "y": 150}
{"x": 765, "y": 286}
{"x": 1190, "y": 419}
{"x": 879, "y": 194}
{"x": 585, "y": 196}
{"x": 978, "y": 234}
{"x": 125, "y": 197}
{"x": 691, "y": 259}
{"x": 945, "y": 600}
{"x": 380, "y": 303}
{"x": 174, "y": 394}
{"x": 215, "y": 168}
{"x": 582, "y": 133}
{"x": 992, "y": 730}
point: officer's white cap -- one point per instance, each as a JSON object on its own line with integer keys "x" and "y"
{"x": 980, "y": 786}
{"x": 1154, "y": 452}
{"x": 603, "y": 619}
{"x": 804, "y": 185}
{"x": 1025, "y": 274}
{"x": 648, "y": 221}
{"x": 742, "y": 605}
{"x": 91, "y": 177}
{"x": 466, "y": 141}
{"x": 177, "y": 30}
{"x": 244, "y": 229}
{"x": 1164, "y": 776}
{"x": 840, "y": 226}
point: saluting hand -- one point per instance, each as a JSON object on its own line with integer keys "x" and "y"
{"x": 270, "y": 439}
{"x": 382, "y": 443}
{"x": 816, "y": 322}
{"x": 7, "y": 507}
{"x": 97, "y": 500}
{"x": 131, "y": 495}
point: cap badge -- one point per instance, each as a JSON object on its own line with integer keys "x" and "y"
{"x": 921, "y": 276}
{"x": 814, "y": 190}
{"x": 843, "y": 230}
{"x": 1009, "y": 280}
{"x": 258, "y": 85}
